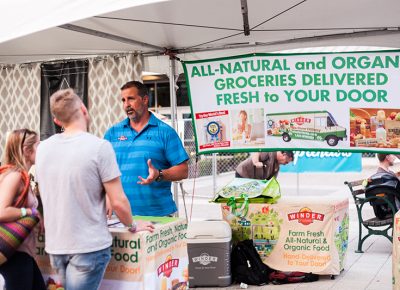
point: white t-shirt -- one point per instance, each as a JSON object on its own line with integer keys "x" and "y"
{"x": 71, "y": 171}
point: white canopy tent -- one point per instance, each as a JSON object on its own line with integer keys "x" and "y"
{"x": 44, "y": 30}
{"x": 47, "y": 30}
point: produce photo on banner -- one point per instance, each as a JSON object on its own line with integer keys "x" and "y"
{"x": 340, "y": 102}
{"x": 373, "y": 127}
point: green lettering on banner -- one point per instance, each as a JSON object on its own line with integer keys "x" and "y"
{"x": 308, "y": 240}
{"x": 271, "y": 97}
{"x": 296, "y": 248}
{"x": 237, "y": 98}
{"x": 180, "y": 227}
{"x": 203, "y": 71}
{"x": 305, "y": 241}
{"x": 254, "y": 65}
{"x": 278, "y": 65}
{"x": 296, "y": 233}
{"x": 255, "y": 81}
{"x": 195, "y": 72}
{"x": 238, "y": 68}
{"x": 310, "y": 65}
{"x": 352, "y": 79}
{"x": 315, "y": 234}
{"x": 165, "y": 232}
{"x": 152, "y": 237}
{"x": 365, "y": 62}
{"x": 181, "y": 236}
{"x": 225, "y": 68}
{"x": 152, "y": 242}
{"x": 152, "y": 248}
{"x": 125, "y": 257}
{"x": 165, "y": 243}
{"x": 378, "y": 96}
{"x": 278, "y": 86}
{"x": 127, "y": 244}
{"x": 307, "y": 95}
{"x": 241, "y": 82}
{"x": 321, "y": 248}
{"x": 219, "y": 84}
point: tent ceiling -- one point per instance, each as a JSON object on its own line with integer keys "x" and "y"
{"x": 194, "y": 26}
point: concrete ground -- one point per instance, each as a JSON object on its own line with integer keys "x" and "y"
{"x": 370, "y": 270}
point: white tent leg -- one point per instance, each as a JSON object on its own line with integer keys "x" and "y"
{"x": 172, "y": 92}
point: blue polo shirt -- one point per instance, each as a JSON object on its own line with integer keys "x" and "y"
{"x": 160, "y": 143}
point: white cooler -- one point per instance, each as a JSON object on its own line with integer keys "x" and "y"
{"x": 209, "y": 248}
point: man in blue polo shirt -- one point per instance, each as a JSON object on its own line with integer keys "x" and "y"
{"x": 149, "y": 153}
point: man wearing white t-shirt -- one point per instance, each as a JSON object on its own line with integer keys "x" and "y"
{"x": 76, "y": 171}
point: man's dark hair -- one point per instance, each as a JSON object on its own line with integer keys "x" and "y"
{"x": 288, "y": 154}
{"x": 134, "y": 84}
{"x": 381, "y": 156}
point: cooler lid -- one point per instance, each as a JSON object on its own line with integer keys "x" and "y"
{"x": 212, "y": 229}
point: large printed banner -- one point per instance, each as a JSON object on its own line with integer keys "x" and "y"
{"x": 140, "y": 261}
{"x": 332, "y": 102}
{"x": 323, "y": 162}
{"x": 307, "y": 234}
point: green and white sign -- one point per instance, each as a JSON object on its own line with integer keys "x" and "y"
{"x": 333, "y": 102}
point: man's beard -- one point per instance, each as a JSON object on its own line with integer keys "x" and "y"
{"x": 135, "y": 116}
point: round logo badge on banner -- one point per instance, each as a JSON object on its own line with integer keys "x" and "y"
{"x": 213, "y": 128}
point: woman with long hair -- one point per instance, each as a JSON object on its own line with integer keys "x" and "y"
{"x": 17, "y": 199}
{"x": 244, "y": 127}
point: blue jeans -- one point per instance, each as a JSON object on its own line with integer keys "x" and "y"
{"x": 81, "y": 271}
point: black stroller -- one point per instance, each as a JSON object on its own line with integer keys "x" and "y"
{"x": 386, "y": 186}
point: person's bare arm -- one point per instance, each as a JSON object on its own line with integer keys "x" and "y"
{"x": 118, "y": 200}
{"x": 121, "y": 206}
{"x": 255, "y": 158}
{"x": 109, "y": 209}
{"x": 9, "y": 187}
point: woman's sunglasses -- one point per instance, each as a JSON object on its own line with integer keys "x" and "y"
{"x": 23, "y": 139}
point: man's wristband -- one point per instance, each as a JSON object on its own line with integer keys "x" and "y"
{"x": 133, "y": 227}
{"x": 160, "y": 175}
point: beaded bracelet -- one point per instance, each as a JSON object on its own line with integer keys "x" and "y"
{"x": 34, "y": 211}
{"x": 23, "y": 211}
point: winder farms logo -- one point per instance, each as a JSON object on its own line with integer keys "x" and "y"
{"x": 306, "y": 216}
{"x": 300, "y": 120}
{"x": 167, "y": 266}
{"x": 204, "y": 259}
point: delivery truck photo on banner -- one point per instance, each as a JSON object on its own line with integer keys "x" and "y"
{"x": 346, "y": 101}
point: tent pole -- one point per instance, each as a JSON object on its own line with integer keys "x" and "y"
{"x": 245, "y": 14}
{"x": 172, "y": 93}
{"x": 214, "y": 172}
{"x": 105, "y": 35}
